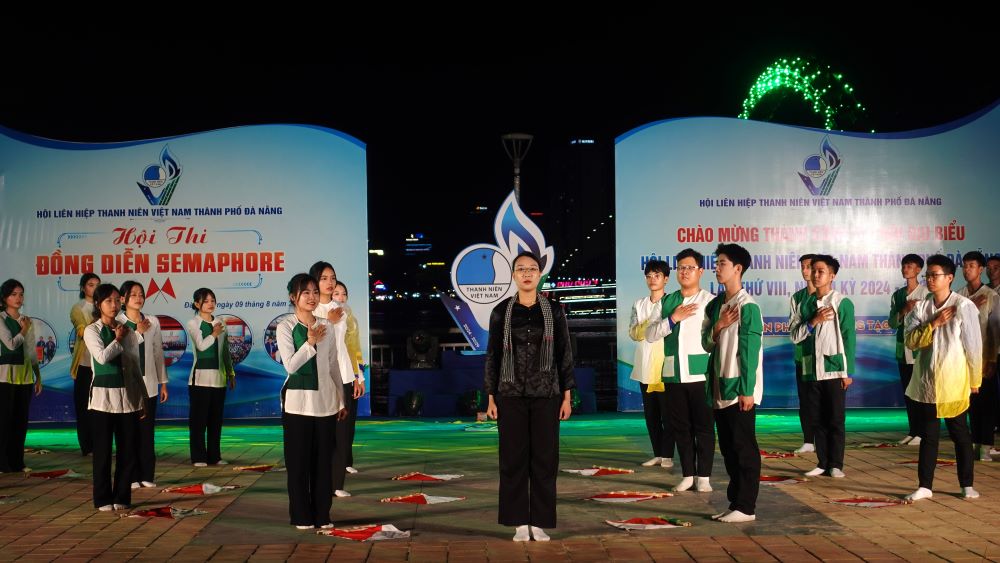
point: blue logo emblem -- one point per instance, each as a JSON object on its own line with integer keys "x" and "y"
{"x": 481, "y": 274}
{"x": 822, "y": 168}
{"x": 158, "y": 181}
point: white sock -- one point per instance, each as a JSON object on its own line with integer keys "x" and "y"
{"x": 815, "y": 472}
{"x": 805, "y": 448}
{"x": 914, "y": 442}
{"x": 839, "y": 473}
{"x": 521, "y": 533}
{"x": 685, "y": 484}
{"x": 969, "y": 492}
{"x": 703, "y": 486}
{"x": 651, "y": 462}
{"x": 721, "y": 514}
{"x": 920, "y": 494}
{"x": 736, "y": 517}
{"x": 539, "y": 534}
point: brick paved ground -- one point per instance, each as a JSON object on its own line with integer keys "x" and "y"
{"x": 56, "y": 520}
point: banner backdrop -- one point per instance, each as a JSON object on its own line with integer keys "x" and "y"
{"x": 785, "y": 191}
{"x": 239, "y": 211}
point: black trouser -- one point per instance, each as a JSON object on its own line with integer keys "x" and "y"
{"x": 807, "y": 396}
{"x": 930, "y": 430}
{"x": 738, "y": 443}
{"x": 6, "y": 408}
{"x": 206, "y": 414}
{"x": 124, "y": 429}
{"x": 654, "y": 406}
{"x": 829, "y": 402}
{"x": 309, "y": 462}
{"x": 343, "y": 457}
{"x": 145, "y": 466}
{"x": 81, "y": 396}
{"x": 15, "y": 401}
{"x": 983, "y": 412}
{"x": 691, "y": 424}
{"x": 529, "y": 460}
{"x": 905, "y": 374}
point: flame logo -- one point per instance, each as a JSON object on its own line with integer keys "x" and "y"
{"x": 162, "y": 177}
{"x": 824, "y": 165}
{"x": 481, "y": 274}
{"x": 518, "y": 233}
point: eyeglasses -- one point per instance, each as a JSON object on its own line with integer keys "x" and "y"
{"x": 687, "y": 268}
{"x": 526, "y": 271}
{"x": 933, "y": 275}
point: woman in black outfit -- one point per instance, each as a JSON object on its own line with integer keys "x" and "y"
{"x": 529, "y": 375}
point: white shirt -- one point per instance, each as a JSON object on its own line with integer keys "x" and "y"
{"x": 328, "y": 399}
{"x": 154, "y": 370}
{"x": 987, "y": 317}
{"x": 645, "y": 311}
{"x": 118, "y": 400}
{"x": 919, "y": 293}
{"x": 828, "y": 340}
{"x": 726, "y": 348}
{"x": 344, "y": 360}
{"x": 10, "y": 373}
{"x": 690, "y": 352}
{"x": 203, "y": 377}
{"x": 945, "y": 370}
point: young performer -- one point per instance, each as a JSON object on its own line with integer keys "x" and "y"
{"x": 684, "y": 367}
{"x": 117, "y": 396}
{"x": 732, "y": 333}
{"x": 529, "y": 377}
{"x": 944, "y": 331}
{"x": 807, "y": 418}
{"x": 19, "y": 374}
{"x": 983, "y": 406}
{"x": 333, "y": 311}
{"x": 648, "y": 363}
{"x": 143, "y": 345}
{"x": 311, "y": 403}
{"x": 824, "y": 325}
{"x": 211, "y": 371}
{"x": 993, "y": 271}
{"x": 81, "y": 315}
{"x": 353, "y": 337}
{"x": 902, "y": 302}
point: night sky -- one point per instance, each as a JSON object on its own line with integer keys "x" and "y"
{"x": 431, "y": 99}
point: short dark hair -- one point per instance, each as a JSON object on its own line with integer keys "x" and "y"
{"x": 529, "y": 254}
{"x": 912, "y": 259}
{"x": 691, "y": 253}
{"x": 995, "y": 257}
{"x": 86, "y": 278}
{"x": 199, "y": 295}
{"x": 830, "y": 261}
{"x": 975, "y": 255}
{"x": 940, "y": 260}
{"x": 7, "y": 289}
{"x": 809, "y": 257}
{"x": 657, "y": 266}
{"x": 316, "y": 270}
{"x": 102, "y": 292}
{"x": 736, "y": 254}
{"x": 299, "y": 283}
